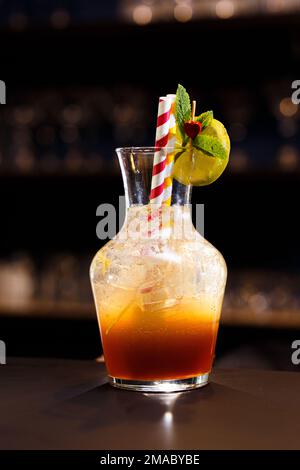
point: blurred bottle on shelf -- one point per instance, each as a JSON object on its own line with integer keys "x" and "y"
{"x": 17, "y": 281}
{"x": 75, "y": 131}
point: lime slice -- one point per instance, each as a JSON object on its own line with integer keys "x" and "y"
{"x": 196, "y": 167}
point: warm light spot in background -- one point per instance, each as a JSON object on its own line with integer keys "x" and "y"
{"x": 275, "y": 6}
{"x": 287, "y": 107}
{"x": 183, "y": 12}
{"x": 288, "y": 158}
{"x": 142, "y": 14}
{"x": 224, "y": 9}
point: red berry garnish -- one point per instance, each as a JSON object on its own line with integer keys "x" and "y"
{"x": 192, "y": 128}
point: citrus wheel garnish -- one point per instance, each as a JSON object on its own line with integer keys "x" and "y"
{"x": 199, "y": 168}
{"x": 203, "y": 145}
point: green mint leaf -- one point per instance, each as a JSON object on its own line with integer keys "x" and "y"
{"x": 205, "y": 118}
{"x": 185, "y": 140}
{"x": 182, "y": 109}
{"x": 211, "y": 146}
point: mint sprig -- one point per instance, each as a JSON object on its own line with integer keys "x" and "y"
{"x": 210, "y": 145}
{"x": 205, "y": 118}
{"x": 182, "y": 110}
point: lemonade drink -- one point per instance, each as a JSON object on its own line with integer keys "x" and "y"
{"x": 158, "y": 300}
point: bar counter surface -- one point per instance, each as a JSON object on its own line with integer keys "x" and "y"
{"x": 65, "y": 404}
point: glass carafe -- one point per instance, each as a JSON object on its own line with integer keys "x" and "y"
{"x": 158, "y": 288}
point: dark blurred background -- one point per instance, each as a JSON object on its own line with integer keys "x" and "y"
{"x": 83, "y": 78}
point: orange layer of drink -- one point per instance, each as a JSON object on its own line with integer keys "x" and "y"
{"x": 169, "y": 343}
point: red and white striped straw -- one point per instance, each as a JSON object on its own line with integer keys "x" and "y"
{"x": 167, "y": 196}
{"x": 161, "y": 141}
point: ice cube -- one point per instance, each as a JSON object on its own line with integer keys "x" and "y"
{"x": 156, "y": 298}
{"x": 163, "y": 286}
